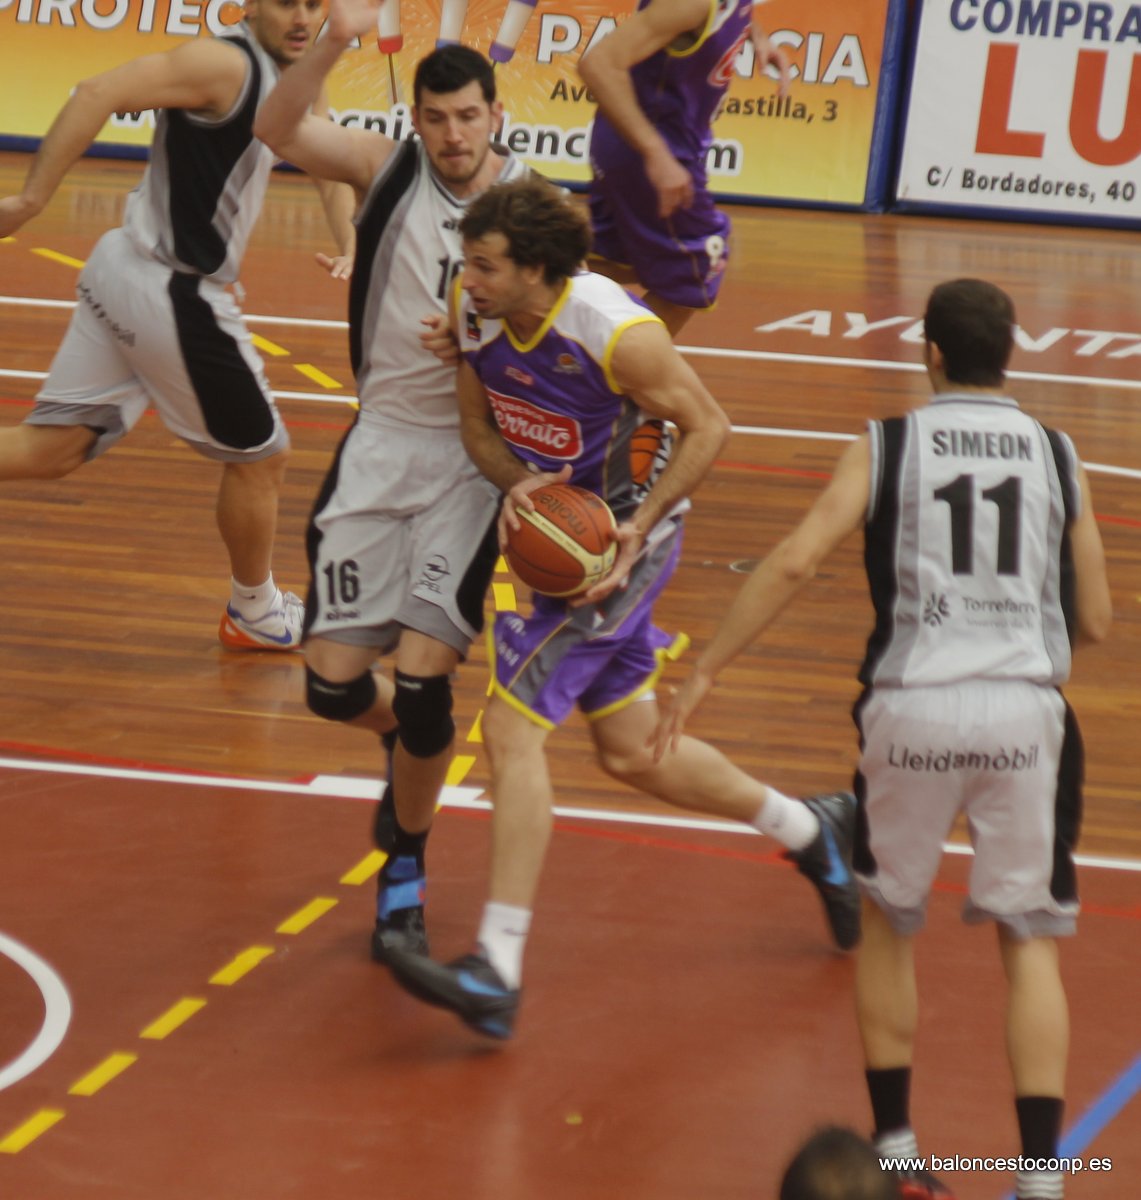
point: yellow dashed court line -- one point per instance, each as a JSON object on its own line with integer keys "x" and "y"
{"x": 268, "y": 347}
{"x": 174, "y": 1016}
{"x": 317, "y": 375}
{"x": 504, "y": 594}
{"x": 366, "y": 868}
{"x": 305, "y": 917}
{"x": 108, "y": 1069}
{"x": 457, "y": 771}
{"x": 241, "y": 964}
{"x": 476, "y": 732}
{"x": 55, "y": 256}
{"x": 24, "y": 1135}
{"x": 5, "y": 240}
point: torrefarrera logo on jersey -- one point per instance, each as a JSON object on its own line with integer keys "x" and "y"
{"x": 722, "y": 74}
{"x": 532, "y": 428}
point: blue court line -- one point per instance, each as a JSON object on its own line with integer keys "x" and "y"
{"x": 1100, "y": 1114}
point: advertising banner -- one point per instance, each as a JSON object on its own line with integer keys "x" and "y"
{"x": 822, "y": 143}
{"x": 1031, "y": 106}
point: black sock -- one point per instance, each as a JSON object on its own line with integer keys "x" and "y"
{"x": 889, "y": 1091}
{"x": 1040, "y": 1124}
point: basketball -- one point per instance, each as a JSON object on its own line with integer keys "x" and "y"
{"x": 647, "y": 442}
{"x": 563, "y": 547}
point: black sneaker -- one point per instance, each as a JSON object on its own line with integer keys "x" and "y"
{"x": 470, "y": 986}
{"x": 827, "y": 862}
{"x": 399, "y": 910}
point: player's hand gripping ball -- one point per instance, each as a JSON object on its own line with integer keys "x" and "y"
{"x": 564, "y": 547}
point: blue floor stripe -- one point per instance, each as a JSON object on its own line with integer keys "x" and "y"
{"x": 1100, "y": 1114}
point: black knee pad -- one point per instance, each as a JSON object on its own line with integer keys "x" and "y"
{"x": 339, "y": 701}
{"x": 423, "y": 708}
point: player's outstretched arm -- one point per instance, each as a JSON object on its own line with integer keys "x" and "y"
{"x": 769, "y": 55}
{"x": 288, "y": 125}
{"x": 606, "y": 71}
{"x": 838, "y": 511}
{"x": 203, "y": 75}
{"x": 1092, "y": 601}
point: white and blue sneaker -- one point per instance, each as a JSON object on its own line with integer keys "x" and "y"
{"x": 827, "y": 863}
{"x": 278, "y": 629}
{"x": 470, "y": 987}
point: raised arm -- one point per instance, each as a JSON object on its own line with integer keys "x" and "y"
{"x": 606, "y": 71}
{"x": 203, "y": 75}
{"x": 287, "y": 123}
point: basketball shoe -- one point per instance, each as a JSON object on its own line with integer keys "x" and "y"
{"x": 278, "y": 629}
{"x": 399, "y": 910}
{"x": 469, "y": 986}
{"x": 827, "y": 863}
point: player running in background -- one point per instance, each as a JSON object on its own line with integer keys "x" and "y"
{"x": 583, "y": 358}
{"x": 402, "y": 536}
{"x": 155, "y": 323}
{"x": 985, "y": 568}
{"x": 659, "y": 79}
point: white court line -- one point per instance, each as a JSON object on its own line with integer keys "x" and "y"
{"x": 879, "y": 364}
{"x": 57, "y": 1012}
{"x": 359, "y": 788}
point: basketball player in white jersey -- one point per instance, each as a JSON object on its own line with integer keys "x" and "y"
{"x": 402, "y": 538}
{"x": 985, "y": 568}
{"x": 155, "y": 323}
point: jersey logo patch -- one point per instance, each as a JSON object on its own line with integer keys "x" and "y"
{"x": 529, "y": 427}
{"x": 722, "y": 74}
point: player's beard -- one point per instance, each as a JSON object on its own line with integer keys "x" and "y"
{"x": 454, "y": 179}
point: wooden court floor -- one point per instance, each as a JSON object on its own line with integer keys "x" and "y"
{"x": 187, "y": 1009}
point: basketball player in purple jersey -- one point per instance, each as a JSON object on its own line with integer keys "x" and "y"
{"x": 659, "y": 79}
{"x": 986, "y": 569}
{"x": 560, "y": 368}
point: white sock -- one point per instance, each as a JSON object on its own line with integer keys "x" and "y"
{"x": 1039, "y": 1185}
{"x": 253, "y": 602}
{"x": 503, "y": 935}
{"x": 900, "y": 1143}
{"x": 790, "y": 822}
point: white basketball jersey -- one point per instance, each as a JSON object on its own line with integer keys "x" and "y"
{"x": 967, "y": 547}
{"x": 408, "y": 252}
{"x": 204, "y": 185}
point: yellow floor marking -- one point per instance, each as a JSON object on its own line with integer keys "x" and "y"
{"x": 504, "y": 594}
{"x": 55, "y": 256}
{"x": 5, "y": 240}
{"x": 501, "y": 565}
{"x": 174, "y": 1016}
{"x": 268, "y": 347}
{"x": 31, "y": 1129}
{"x": 108, "y": 1069}
{"x": 241, "y": 964}
{"x": 366, "y": 868}
{"x": 317, "y": 375}
{"x": 457, "y": 771}
{"x": 305, "y": 917}
{"x": 476, "y": 733}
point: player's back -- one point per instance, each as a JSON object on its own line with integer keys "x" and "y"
{"x": 681, "y": 86}
{"x": 966, "y": 545}
{"x": 203, "y": 187}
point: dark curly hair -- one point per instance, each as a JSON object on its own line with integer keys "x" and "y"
{"x": 542, "y": 225}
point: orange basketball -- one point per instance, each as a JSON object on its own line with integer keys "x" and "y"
{"x": 646, "y": 444}
{"x": 564, "y": 546}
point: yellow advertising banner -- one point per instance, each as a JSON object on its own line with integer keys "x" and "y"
{"x": 818, "y": 144}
